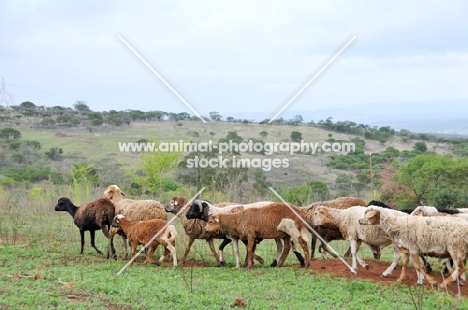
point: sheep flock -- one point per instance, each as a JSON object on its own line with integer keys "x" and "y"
{"x": 426, "y": 232}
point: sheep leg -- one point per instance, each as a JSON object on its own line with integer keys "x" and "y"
{"x": 149, "y": 254}
{"x": 125, "y": 245}
{"x": 187, "y": 250}
{"x": 93, "y": 235}
{"x": 324, "y": 249}
{"x": 427, "y": 265}
{"x": 169, "y": 248}
{"x": 313, "y": 244}
{"x": 105, "y": 231}
{"x": 459, "y": 269}
{"x": 223, "y": 244}
{"x": 82, "y": 240}
{"x": 250, "y": 250}
{"x": 396, "y": 258}
{"x": 404, "y": 267}
{"x": 111, "y": 249}
{"x": 416, "y": 263}
{"x": 354, "y": 249}
{"x": 235, "y": 244}
{"x": 303, "y": 244}
{"x": 298, "y": 254}
{"x": 212, "y": 248}
{"x": 279, "y": 250}
{"x": 287, "y": 248}
{"x": 375, "y": 251}
{"x": 254, "y": 247}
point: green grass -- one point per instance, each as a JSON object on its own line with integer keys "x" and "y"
{"x": 40, "y": 268}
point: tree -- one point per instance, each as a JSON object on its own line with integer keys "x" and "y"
{"x": 420, "y": 146}
{"x": 263, "y": 134}
{"x": 261, "y": 183}
{"x": 215, "y": 116}
{"x": 54, "y": 153}
{"x": 27, "y": 105}
{"x": 359, "y": 186}
{"x": 296, "y": 136}
{"x": 9, "y": 133}
{"x": 343, "y": 180}
{"x": 47, "y": 122}
{"x": 81, "y": 106}
{"x": 95, "y": 119}
{"x": 432, "y": 179}
{"x": 153, "y": 167}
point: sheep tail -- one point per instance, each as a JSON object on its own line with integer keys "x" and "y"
{"x": 171, "y": 232}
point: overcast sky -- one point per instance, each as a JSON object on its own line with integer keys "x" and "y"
{"x": 231, "y": 56}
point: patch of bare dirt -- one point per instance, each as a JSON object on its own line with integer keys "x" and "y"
{"x": 336, "y": 268}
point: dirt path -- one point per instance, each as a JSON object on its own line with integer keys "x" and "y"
{"x": 337, "y": 269}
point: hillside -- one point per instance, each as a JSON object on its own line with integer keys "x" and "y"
{"x": 99, "y": 146}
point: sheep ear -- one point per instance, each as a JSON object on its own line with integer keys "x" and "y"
{"x": 122, "y": 193}
{"x": 217, "y": 219}
{"x": 371, "y": 213}
{"x": 176, "y": 202}
{"x": 203, "y": 206}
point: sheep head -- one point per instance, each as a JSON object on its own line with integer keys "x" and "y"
{"x": 371, "y": 217}
{"x": 176, "y": 204}
{"x": 322, "y": 216}
{"x": 196, "y": 210}
{"x": 113, "y": 191}
{"x": 116, "y": 221}
{"x": 64, "y": 204}
{"x": 419, "y": 211}
{"x": 213, "y": 224}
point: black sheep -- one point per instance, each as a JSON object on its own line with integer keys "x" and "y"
{"x": 95, "y": 215}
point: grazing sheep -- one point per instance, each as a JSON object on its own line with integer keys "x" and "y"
{"x": 134, "y": 210}
{"x": 275, "y": 221}
{"x": 330, "y": 233}
{"x": 92, "y": 216}
{"x": 347, "y": 221}
{"x": 143, "y": 232}
{"x": 203, "y": 210}
{"x": 440, "y": 235}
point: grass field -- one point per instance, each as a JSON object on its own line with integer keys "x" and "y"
{"x": 41, "y": 268}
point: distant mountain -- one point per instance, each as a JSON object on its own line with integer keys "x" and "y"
{"x": 439, "y": 117}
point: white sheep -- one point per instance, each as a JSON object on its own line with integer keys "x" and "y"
{"x": 441, "y": 235}
{"x": 347, "y": 221}
{"x": 134, "y": 210}
{"x": 333, "y": 233}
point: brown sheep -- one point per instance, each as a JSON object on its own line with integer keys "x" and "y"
{"x": 143, "y": 232}
{"x": 134, "y": 210}
{"x": 276, "y": 221}
{"x": 92, "y": 216}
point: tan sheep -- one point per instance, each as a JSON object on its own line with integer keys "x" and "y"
{"x": 347, "y": 221}
{"x": 330, "y": 233}
{"x": 157, "y": 231}
{"x": 134, "y": 210}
